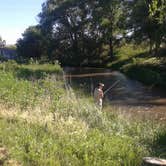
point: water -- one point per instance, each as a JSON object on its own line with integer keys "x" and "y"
{"x": 128, "y": 96}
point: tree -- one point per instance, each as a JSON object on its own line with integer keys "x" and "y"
{"x": 32, "y": 43}
{"x": 144, "y": 25}
{"x": 157, "y": 13}
{"x": 2, "y": 42}
{"x": 78, "y": 29}
{"x": 65, "y": 23}
{"x": 108, "y": 14}
{"x": 157, "y": 10}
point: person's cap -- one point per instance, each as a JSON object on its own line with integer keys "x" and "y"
{"x": 101, "y": 84}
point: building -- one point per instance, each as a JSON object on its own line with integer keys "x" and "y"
{"x": 8, "y": 53}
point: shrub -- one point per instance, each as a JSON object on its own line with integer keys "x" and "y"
{"x": 9, "y": 66}
{"x": 142, "y": 74}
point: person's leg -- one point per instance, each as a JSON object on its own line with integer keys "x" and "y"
{"x": 100, "y": 104}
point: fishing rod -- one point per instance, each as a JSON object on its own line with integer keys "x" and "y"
{"x": 112, "y": 86}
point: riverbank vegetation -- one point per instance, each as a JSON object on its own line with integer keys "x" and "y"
{"x": 44, "y": 122}
{"x": 139, "y": 64}
{"x": 100, "y": 34}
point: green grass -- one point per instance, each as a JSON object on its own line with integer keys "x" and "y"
{"x": 44, "y": 123}
{"x": 36, "y": 145}
{"x": 24, "y": 93}
{"x": 31, "y": 71}
{"x": 159, "y": 146}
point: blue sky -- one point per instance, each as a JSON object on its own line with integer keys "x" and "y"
{"x": 16, "y": 16}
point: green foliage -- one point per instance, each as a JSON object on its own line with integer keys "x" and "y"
{"x": 36, "y": 71}
{"x": 126, "y": 54}
{"x": 31, "y": 71}
{"x": 16, "y": 91}
{"x": 2, "y": 58}
{"x": 138, "y": 64}
{"x": 35, "y": 145}
{"x": 105, "y": 22}
{"x": 9, "y": 66}
{"x": 160, "y": 144}
{"x": 73, "y": 32}
{"x": 32, "y": 45}
{"x": 143, "y": 74}
{"x": 160, "y": 138}
{"x": 157, "y": 10}
{"x": 128, "y": 51}
{"x": 146, "y": 24}
{"x": 146, "y": 70}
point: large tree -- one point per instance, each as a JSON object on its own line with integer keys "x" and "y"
{"x": 78, "y": 29}
{"x": 145, "y": 23}
{"x": 108, "y": 14}
{"x": 32, "y": 44}
{"x": 64, "y": 23}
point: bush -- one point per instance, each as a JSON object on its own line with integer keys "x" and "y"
{"x": 9, "y": 66}
{"x": 159, "y": 147}
{"x": 142, "y": 74}
{"x": 15, "y": 92}
{"x": 38, "y": 71}
{"x": 25, "y": 93}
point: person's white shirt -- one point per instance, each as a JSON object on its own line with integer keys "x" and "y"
{"x": 98, "y": 97}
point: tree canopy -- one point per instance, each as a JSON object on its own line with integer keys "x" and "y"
{"x": 86, "y": 32}
{"x": 32, "y": 44}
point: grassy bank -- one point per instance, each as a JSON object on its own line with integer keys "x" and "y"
{"x": 138, "y": 64}
{"x": 43, "y": 122}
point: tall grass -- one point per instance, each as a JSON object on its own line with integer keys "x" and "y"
{"x": 31, "y": 71}
{"x": 43, "y": 122}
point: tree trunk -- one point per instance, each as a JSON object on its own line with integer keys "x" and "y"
{"x": 111, "y": 48}
{"x": 150, "y": 46}
{"x": 76, "y": 49}
{"x": 157, "y": 47}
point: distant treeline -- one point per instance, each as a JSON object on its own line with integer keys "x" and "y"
{"x": 86, "y": 32}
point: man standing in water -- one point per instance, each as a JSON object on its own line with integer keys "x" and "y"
{"x": 98, "y": 95}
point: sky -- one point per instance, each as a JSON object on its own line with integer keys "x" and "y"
{"x": 16, "y": 16}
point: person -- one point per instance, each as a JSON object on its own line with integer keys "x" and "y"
{"x": 98, "y": 95}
